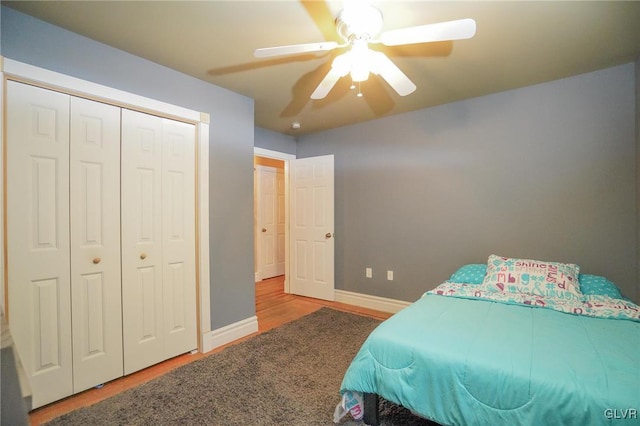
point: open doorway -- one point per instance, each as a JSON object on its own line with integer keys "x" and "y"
{"x": 309, "y": 192}
{"x": 271, "y": 170}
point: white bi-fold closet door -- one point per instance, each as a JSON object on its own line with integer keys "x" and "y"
{"x": 100, "y": 233}
{"x": 158, "y": 239}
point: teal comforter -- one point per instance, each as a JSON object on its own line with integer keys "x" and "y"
{"x": 465, "y": 361}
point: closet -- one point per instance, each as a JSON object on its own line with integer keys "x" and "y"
{"x": 100, "y": 230}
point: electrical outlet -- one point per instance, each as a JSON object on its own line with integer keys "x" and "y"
{"x": 368, "y": 273}
{"x": 389, "y": 275}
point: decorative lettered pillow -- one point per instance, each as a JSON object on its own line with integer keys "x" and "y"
{"x": 537, "y": 277}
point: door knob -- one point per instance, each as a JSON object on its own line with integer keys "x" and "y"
{"x": 264, "y": 229}
{"x": 328, "y": 235}
{"x": 96, "y": 260}
{"x": 143, "y": 256}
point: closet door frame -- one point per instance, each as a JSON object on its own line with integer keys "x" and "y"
{"x": 25, "y": 73}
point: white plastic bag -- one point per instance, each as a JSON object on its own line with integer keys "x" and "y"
{"x": 351, "y": 402}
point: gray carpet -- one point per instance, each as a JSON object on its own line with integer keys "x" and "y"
{"x": 287, "y": 376}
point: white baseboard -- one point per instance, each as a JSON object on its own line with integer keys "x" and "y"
{"x": 240, "y": 329}
{"x": 229, "y": 333}
{"x": 258, "y": 278}
{"x": 372, "y": 302}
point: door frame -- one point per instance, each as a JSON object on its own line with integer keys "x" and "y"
{"x": 25, "y": 73}
{"x": 277, "y": 155}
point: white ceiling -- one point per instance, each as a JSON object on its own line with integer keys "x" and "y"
{"x": 517, "y": 43}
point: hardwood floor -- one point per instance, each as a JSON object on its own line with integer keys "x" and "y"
{"x": 273, "y": 308}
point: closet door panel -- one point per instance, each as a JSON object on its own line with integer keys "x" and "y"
{"x": 95, "y": 243}
{"x": 178, "y": 213}
{"x": 38, "y": 237}
{"x": 141, "y": 219}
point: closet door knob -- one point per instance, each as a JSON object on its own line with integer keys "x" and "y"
{"x": 264, "y": 229}
{"x": 96, "y": 260}
{"x": 143, "y": 256}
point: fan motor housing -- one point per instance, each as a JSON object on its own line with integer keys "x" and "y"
{"x": 359, "y": 23}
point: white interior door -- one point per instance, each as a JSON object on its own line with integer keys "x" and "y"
{"x": 96, "y": 297}
{"x": 178, "y": 238}
{"x": 38, "y": 237}
{"x": 267, "y": 221}
{"x": 158, "y": 239}
{"x": 312, "y": 227}
{"x": 141, "y": 218}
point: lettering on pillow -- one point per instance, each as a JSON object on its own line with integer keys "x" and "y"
{"x": 534, "y": 277}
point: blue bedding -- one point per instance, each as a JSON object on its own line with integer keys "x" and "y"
{"x": 465, "y": 361}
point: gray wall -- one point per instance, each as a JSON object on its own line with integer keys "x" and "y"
{"x": 544, "y": 172}
{"x": 274, "y": 141}
{"x": 231, "y": 141}
{"x": 637, "y": 156}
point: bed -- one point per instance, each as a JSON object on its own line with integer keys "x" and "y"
{"x": 516, "y": 342}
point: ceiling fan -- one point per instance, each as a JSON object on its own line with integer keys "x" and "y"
{"x": 358, "y": 24}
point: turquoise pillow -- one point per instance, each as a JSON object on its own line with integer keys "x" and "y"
{"x": 472, "y": 273}
{"x": 593, "y": 284}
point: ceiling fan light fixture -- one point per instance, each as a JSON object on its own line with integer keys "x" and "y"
{"x": 342, "y": 64}
{"x": 359, "y": 72}
{"x": 360, "y": 60}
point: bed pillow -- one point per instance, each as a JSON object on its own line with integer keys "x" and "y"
{"x": 537, "y": 277}
{"x": 472, "y": 273}
{"x": 593, "y": 284}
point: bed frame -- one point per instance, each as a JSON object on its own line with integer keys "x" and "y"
{"x": 371, "y": 416}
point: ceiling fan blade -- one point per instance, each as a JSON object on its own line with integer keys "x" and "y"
{"x": 442, "y": 31}
{"x": 383, "y": 66}
{"x": 326, "y": 84}
{"x": 267, "y": 52}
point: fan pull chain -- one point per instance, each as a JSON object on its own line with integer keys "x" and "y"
{"x": 353, "y": 86}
